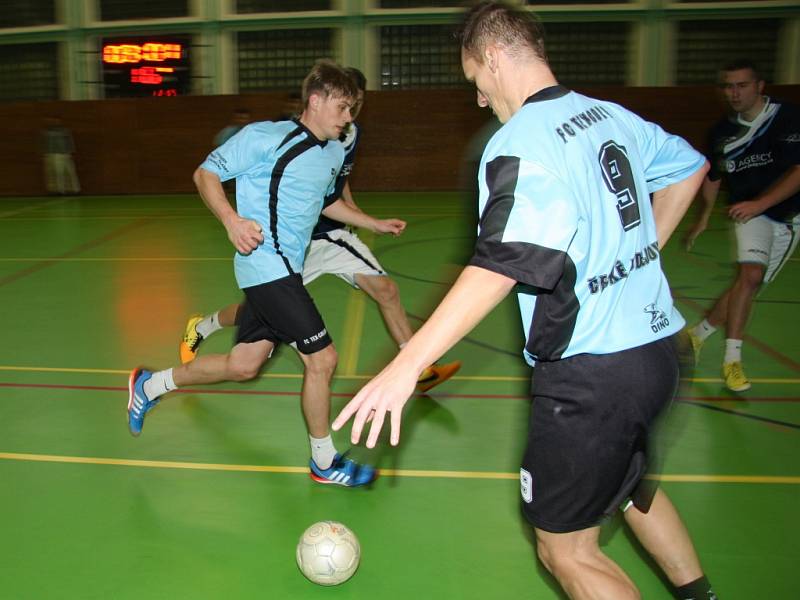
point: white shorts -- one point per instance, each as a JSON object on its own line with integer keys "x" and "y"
{"x": 339, "y": 253}
{"x": 766, "y": 242}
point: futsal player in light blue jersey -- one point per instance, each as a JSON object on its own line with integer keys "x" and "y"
{"x": 283, "y": 173}
{"x": 337, "y": 250}
{"x": 566, "y": 218}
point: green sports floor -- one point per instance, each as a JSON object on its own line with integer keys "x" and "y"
{"x": 210, "y": 501}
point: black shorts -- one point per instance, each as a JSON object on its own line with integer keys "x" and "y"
{"x": 282, "y": 311}
{"x": 590, "y": 441}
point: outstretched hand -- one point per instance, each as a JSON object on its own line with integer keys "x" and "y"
{"x": 387, "y": 392}
{"x": 244, "y": 234}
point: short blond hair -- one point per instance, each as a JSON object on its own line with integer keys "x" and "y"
{"x": 328, "y": 79}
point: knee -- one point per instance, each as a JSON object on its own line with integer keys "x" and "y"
{"x": 750, "y": 276}
{"x": 322, "y": 363}
{"x": 546, "y": 556}
{"x": 386, "y": 291}
{"x": 242, "y": 370}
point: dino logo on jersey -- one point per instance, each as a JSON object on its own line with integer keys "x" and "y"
{"x": 658, "y": 318}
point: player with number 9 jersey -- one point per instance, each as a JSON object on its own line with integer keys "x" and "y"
{"x": 569, "y": 217}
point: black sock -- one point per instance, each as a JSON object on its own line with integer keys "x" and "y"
{"x": 699, "y": 589}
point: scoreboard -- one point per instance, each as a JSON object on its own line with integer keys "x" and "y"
{"x": 146, "y": 66}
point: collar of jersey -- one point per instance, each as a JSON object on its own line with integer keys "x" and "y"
{"x": 548, "y": 93}
{"x": 320, "y": 143}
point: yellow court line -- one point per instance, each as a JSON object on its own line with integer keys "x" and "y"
{"x": 354, "y": 376}
{"x": 354, "y": 325}
{"x": 160, "y": 464}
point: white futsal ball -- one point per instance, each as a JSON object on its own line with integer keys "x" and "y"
{"x": 328, "y": 553}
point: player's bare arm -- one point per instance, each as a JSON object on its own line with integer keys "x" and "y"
{"x": 708, "y": 196}
{"x": 347, "y": 196}
{"x": 340, "y": 211}
{"x": 672, "y": 202}
{"x": 784, "y": 187}
{"x": 244, "y": 234}
{"x": 475, "y": 293}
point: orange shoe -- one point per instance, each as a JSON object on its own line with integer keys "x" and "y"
{"x": 191, "y": 340}
{"x": 436, "y": 374}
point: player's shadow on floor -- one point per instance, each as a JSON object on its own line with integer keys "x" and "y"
{"x": 211, "y": 418}
{"x": 421, "y": 408}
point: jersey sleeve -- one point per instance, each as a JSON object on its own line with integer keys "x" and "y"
{"x": 527, "y": 224}
{"x": 666, "y": 158}
{"x": 789, "y": 138}
{"x": 240, "y": 153}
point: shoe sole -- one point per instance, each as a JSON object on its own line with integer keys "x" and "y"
{"x": 183, "y": 347}
{"x": 325, "y": 481}
{"x": 744, "y": 388}
{"x": 431, "y": 382}
{"x": 131, "y": 391}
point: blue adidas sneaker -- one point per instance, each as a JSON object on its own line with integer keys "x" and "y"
{"x": 343, "y": 471}
{"x": 138, "y": 404}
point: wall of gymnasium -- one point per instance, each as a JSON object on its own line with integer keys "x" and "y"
{"x": 419, "y": 119}
{"x": 412, "y": 140}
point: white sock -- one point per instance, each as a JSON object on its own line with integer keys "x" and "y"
{"x": 703, "y": 330}
{"x": 209, "y": 325}
{"x": 733, "y": 351}
{"x": 322, "y": 451}
{"x": 159, "y": 384}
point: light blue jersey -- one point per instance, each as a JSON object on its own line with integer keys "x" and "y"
{"x": 283, "y": 173}
{"x": 565, "y": 210}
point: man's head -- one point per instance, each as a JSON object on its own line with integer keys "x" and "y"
{"x": 328, "y": 95}
{"x": 361, "y": 83}
{"x": 491, "y": 32}
{"x": 743, "y": 87}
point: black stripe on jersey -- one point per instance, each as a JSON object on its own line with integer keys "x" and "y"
{"x": 550, "y": 272}
{"x": 527, "y": 263}
{"x": 350, "y": 249}
{"x": 275, "y": 180}
{"x": 554, "y": 316}
{"x": 292, "y": 134}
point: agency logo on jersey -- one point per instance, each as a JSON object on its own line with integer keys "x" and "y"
{"x": 748, "y": 162}
{"x": 658, "y": 318}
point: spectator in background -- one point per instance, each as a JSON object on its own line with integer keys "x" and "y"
{"x": 59, "y": 167}
{"x": 241, "y": 117}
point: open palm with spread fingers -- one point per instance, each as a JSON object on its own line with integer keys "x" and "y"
{"x": 386, "y": 393}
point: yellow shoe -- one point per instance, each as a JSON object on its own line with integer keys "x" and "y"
{"x": 191, "y": 340}
{"x": 436, "y": 374}
{"x": 735, "y": 379}
{"x": 697, "y": 343}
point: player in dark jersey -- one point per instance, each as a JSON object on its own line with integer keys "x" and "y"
{"x": 566, "y": 218}
{"x": 757, "y": 151}
{"x": 337, "y": 250}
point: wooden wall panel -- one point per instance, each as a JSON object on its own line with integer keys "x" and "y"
{"x": 413, "y": 140}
